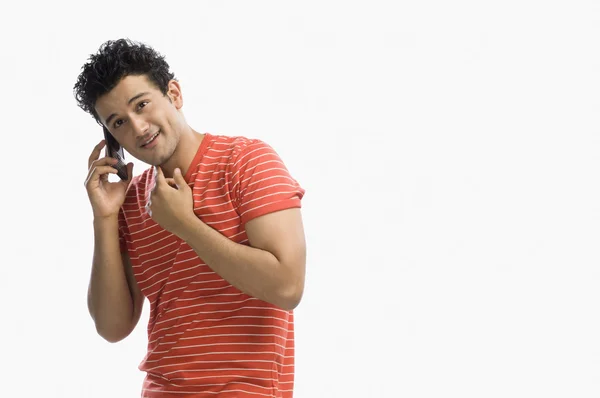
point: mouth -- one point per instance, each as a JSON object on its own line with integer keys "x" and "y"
{"x": 150, "y": 140}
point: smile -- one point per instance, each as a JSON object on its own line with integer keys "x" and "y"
{"x": 151, "y": 139}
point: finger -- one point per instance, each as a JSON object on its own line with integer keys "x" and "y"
{"x": 105, "y": 161}
{"x": 98, "y": 172}
{"x": 100, "y": 163}
{"x": 160, "y": 177}
{"x": 96, "y": 153}
{"x": 179, "y": 180}
{"x": 129, "y": 174}
{"x": 171, "y": 182}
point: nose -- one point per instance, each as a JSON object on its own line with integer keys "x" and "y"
{"x": 140, "y": 126}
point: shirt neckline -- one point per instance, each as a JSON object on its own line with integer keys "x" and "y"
{"x": 198, "y": 156}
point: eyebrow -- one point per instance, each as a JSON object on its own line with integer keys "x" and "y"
{"x": 108, "y": 119}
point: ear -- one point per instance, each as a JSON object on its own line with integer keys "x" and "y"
{"x": 174, "y": 93}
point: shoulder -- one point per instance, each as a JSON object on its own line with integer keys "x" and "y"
{"x": 237, "y": 143}
{"x": 237, "y": 148}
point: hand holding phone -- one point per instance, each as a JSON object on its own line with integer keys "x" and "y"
{"x": 106, "y": 197}
{"x": 115, "y": 151}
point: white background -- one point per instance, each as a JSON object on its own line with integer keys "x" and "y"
{"x": 450, "y": 153}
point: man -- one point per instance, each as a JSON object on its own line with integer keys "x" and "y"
{"x": 211, "y": 235}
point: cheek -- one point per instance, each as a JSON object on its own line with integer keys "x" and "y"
{"x": 121, "y": 139}
{"x": 174, "y": 122}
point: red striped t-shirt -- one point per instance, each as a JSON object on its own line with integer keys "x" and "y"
{"x": 205, "y": 337}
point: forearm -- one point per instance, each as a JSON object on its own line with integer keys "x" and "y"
{"x": 109, "y": 298}
{"x": 255, "y": 272}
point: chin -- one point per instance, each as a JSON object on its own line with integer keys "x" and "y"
{"x": 159, "y": 160}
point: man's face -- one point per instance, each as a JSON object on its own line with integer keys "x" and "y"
{"x": 144, "y": 121}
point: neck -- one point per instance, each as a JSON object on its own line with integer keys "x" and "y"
{"x": 188, "y": 145}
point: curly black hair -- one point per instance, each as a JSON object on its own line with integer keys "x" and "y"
{"x": 115, "y": 60}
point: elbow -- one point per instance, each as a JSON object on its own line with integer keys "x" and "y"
{"x": 291, "y": 292}
{"x": 291, "y": 297}
{"x": 111, "y": 332}
{"x": 111, "y": 327}
{"x": 112, "y": 339}
{"x": 112, "y": 336}
{"x": 289, "y": 305}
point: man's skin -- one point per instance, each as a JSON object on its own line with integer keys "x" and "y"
{"x": 272, "y": 268}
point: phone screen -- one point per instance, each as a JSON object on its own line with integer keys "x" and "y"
{"x": 114, "y": 150}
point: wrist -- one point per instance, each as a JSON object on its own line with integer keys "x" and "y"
{"x": 188, "y": 226}
{"x": 101, "y": 222}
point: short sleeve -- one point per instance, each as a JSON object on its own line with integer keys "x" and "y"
{"x": 262, "y": 183}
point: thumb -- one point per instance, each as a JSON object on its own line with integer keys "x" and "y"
{"x": 129, "y": 174}
{"x": 179, "y": 180}
{"x": 160, "y": 177}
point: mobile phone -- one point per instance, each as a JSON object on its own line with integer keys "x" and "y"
{"x": 114, "y": 150}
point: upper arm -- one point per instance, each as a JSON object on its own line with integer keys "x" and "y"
{"x": 268, "y": 200}
{"x": 262, "y": 184}
{"x": 136, "y": 294}
{"x": 282, "y": 234}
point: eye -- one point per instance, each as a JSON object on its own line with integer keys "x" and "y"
{"x": 142, "y": 104}
{"x": 118, "y": 123}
